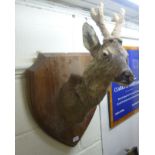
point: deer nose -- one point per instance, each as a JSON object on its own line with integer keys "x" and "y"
{"x": 127, "y": 76}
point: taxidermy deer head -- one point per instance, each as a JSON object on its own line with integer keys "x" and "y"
{"x": 63, "y": 103}
{"x": 109, "y": 63}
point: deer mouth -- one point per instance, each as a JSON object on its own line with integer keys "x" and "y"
{"x": 125, "y": 78}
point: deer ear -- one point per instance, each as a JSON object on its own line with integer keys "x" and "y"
{"x": 90, "y": 39}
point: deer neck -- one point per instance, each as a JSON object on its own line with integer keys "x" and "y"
{"x": 96, "y": 80}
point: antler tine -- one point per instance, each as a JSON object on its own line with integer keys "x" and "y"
{"x": 98, "y": 16}
{"x": 119, "y": 19}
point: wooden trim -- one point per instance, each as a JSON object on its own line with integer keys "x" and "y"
{"x": 131, "y": 47}
{"x": 110, "y": 107}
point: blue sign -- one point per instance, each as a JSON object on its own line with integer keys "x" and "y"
{"x": 125, "y": 99}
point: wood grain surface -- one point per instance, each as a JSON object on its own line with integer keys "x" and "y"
{"x": 44, "y": 80}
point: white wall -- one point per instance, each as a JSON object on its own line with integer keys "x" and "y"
{"x": 121, "y": 137}
{"x": 48, "y": 28}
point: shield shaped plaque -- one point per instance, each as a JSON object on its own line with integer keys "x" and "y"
{"x": 44, "y": 80}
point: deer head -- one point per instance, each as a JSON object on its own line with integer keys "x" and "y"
{"x": 111, "y": 57}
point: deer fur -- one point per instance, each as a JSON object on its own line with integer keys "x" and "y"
{"x": 81, "y": 93}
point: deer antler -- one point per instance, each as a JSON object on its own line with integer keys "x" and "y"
{"x": 119, "y": 19}
{"x": 98, "y": 16}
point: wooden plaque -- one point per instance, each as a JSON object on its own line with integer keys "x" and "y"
{"x": 44, "y": 80}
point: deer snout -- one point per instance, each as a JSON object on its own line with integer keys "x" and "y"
{"x": 127, "y": 77}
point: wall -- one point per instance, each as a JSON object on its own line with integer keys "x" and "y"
{"x": 121, "y": 137}
{"x": 49, "y": 28}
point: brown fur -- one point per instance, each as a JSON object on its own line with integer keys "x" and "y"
{"x": 81, "y": 93}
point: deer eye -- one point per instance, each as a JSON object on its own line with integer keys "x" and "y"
{"x": 105, "y": 54}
